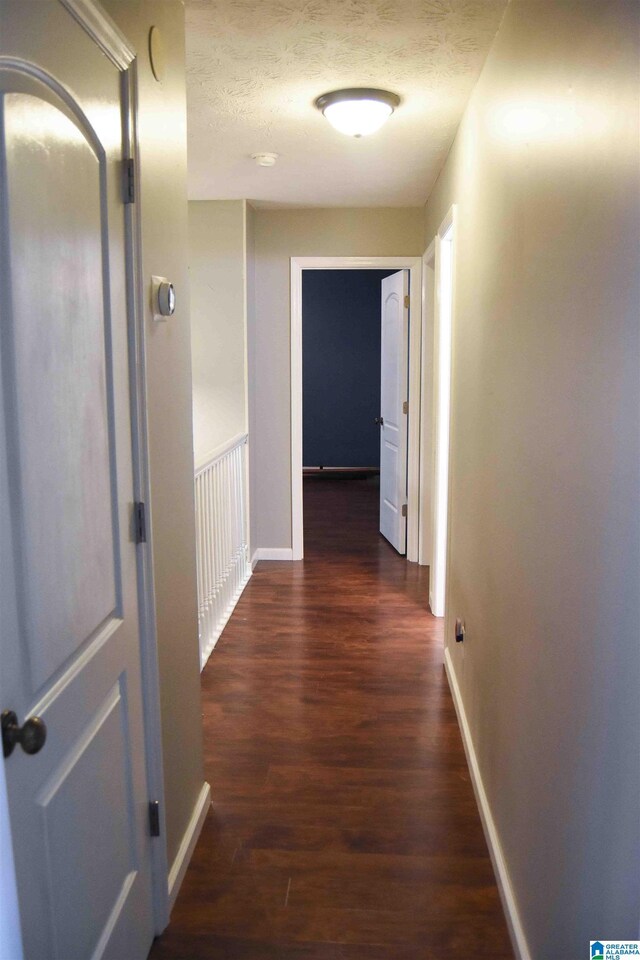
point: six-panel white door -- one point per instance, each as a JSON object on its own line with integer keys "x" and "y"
{"x": 69, "y": 647}
{"x": 393, "y": 395}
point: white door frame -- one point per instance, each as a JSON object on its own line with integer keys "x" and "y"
{"x": 414, "y": 266}
{"x": 425, "y": 545}
{"x": 108, "y": 36}
{"x": 10, "y": 932}
{"x": 443, "y": 315}
{"x": 142, "y": 492}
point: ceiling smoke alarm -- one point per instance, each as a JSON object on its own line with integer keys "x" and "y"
{"x": 265, "y": 159}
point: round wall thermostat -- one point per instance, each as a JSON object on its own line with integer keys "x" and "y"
{"x": 166, "y": 299}
{"x": 156, "y": 53}
{"x": 163, "y": 298}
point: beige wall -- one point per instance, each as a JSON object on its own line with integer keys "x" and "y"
{"x": 544, "y": 560}
{"x": 163, "y": 198}
{"x": 217, "y": 267}
{"x": 250, "y": 291}
{"x": 280, "y": 235}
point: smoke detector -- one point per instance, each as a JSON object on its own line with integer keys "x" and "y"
{"x": 265, "y": 159}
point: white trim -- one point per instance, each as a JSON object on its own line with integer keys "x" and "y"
{"x": 444, "y": 322}
{"x": 188, "y": 844}
{"x": 142, "y": 492}
{"x": 220, "y": 451}
{"x": 507, "y": 893}
{"x": 426, "y": 404}
{"x": 271, "y": 553}
{"x": 297, "y": 525}
{"x": 103, "y": 30}
{"x": 357, "y": 263}
{"x": 413, "y": 438}
{"x": 414, "y": 266}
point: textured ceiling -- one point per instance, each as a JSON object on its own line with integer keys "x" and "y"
{"x": 254, "y": 68}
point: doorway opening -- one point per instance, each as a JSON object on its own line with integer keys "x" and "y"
{"x": 409, "y": 270}
{"x": 341, "y": 374}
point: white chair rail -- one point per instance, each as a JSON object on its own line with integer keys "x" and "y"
{"x": 221, "y": 539}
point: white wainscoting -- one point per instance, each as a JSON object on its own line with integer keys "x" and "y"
{"x": 221, "y": 539}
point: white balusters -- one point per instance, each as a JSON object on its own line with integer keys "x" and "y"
{"x": 221, "y": 540}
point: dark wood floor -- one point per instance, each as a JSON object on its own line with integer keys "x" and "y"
{"x": 343, "y": 824}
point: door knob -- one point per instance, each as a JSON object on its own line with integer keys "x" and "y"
{"x": 379, "y": 421}
{"x": 31, "y": 735}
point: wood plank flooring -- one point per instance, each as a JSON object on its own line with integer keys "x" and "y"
{"x": 343, "y": 824}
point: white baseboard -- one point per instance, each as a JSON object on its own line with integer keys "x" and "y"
{"x": 507, "y": 893}
{"x": 271, "y": 553}
{"x": 206, "y": 653}
{"x": 188, "y": 844}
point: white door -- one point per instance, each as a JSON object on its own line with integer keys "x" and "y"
{"x": 393, "y": 407}
{"x": 69, "y": 646}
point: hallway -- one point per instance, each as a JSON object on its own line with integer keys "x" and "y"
{"x": 344, "y": 825}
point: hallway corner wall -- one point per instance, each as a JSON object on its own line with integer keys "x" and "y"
{"x": 250, "y": 293}
{"x": 544, "y": 559}
{"x": 279, "y": 235}
{"x": 163, "y": 200}
{"x": 217, "y": 273}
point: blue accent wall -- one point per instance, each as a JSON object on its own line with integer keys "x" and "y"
{"x": 341, "y": 367}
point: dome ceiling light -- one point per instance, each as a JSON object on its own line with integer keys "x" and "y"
{"x": 358, "y": 111}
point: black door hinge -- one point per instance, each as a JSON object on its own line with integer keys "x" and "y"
{"x": 154, "y": 818}
{"x": 129, "y": 181}
{"x": 140, "y": 522}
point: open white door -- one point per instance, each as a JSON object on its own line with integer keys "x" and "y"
{"x": 393, "y": 404}
{"x": 69, "y": 645}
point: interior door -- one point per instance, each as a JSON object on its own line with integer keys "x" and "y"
{"x": 393, "y": 415}
{"x": 69, "y": 646}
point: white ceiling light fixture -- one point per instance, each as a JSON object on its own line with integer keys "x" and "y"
{"x": 357, "y": 111}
